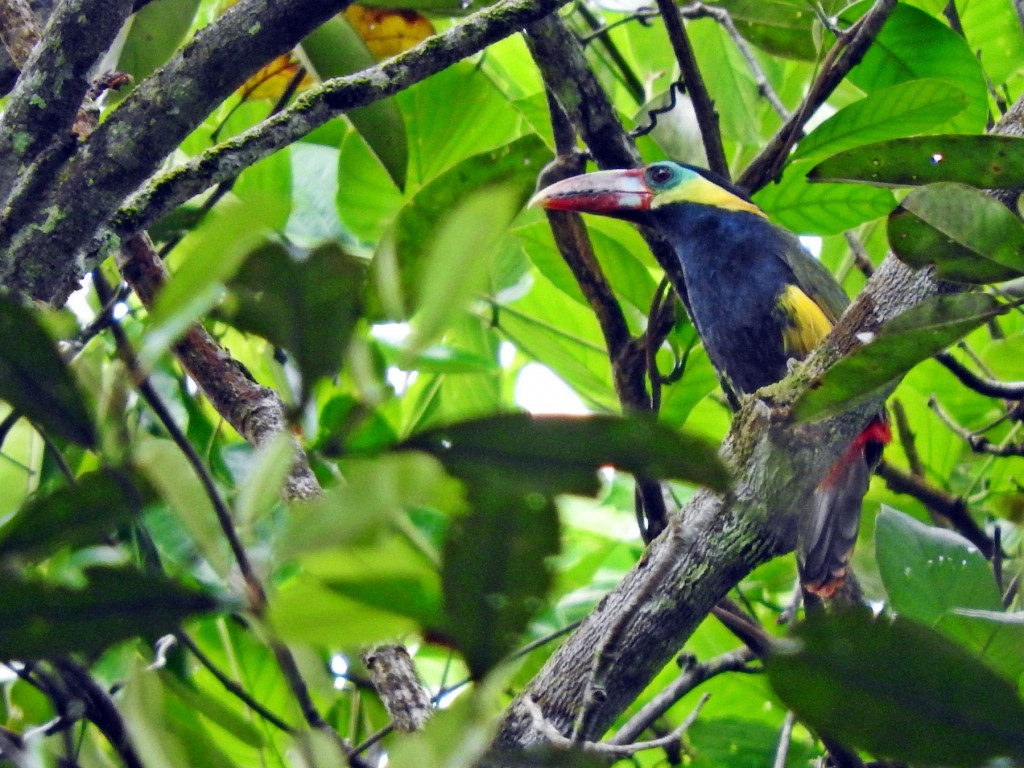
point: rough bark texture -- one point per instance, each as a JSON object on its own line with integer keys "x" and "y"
{"x": 313, "y": 109}
{"x": 399, "y": 687}
{"x": 19, "y": 29}
{"x": 52, "y": 84}
{"x": 39, "y": 237}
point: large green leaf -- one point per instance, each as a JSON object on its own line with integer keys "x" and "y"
{"x": 153, "y": 34}
{"x": 376, "y": 492}
{"x": 821, "y": 209}
{"x": 904, "y": 109}
{"x": 929, "y": 571}
{"x": 981, "y": 161}
{"x": 458, "y": 258}
{"x": 564, "y": 335}
{"x": 209, "y": 256}
{"x": 932, "y": 575}
{"x": 34, "y": 379}
{"x": 912, "y": 46}
{"x": 968, "y": 236}
{"x": 781, "y": 27}
{"x": 413, "y": 250}
{"x": 561, "y": 454}
{"x": 897, "y": 690}
{"x": 899, "y": 345}
{"x": 39, "y": 620}
{"x": 483, "y": 120}
{"x": 496, "y": 569}
{"x": 335, "y": 49}
{"x": 74, "y": 515}
{"x": 306, "y": 302}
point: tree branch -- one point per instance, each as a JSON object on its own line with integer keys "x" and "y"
{"x": 692, "y": 676}
{"x": 39, "y": 237}
{"x": 317, "y": 106}
{"x": 398, "y": 686}
{"x": 703, "y": 106}
{"x": 256, "y": 412}
{"x": 47, "y": 95}
{"x": 847, "y": 52}
{"x": 19, "y": 30}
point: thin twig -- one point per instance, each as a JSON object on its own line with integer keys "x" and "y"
{"x": 609, "y": 749}
{"x": 703, "y": 106}
{"x": 785, "y": 739}
{"x": 724, "y": 18}
{"x": 230, "y": 685}
{"x": 977, "y": 442}
{"x": 940, "y": 502}
{"x": 694, "y": 675}
{"x": 847, "y": 52}
{"x": 861, "y": 260}
{"x": 907, "y": 438}
{"x": 983, "y": 385}
{"x": 254, "y": 587}
{"x": 101, "y": 710}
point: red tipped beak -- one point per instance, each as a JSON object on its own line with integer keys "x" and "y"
{"x": 612, "y": 193}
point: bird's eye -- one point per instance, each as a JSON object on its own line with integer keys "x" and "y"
{"x": 658, "y": 175}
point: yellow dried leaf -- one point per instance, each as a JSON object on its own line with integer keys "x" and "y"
{"x": 271, "y": 81}
{"x": 388, "y": 32}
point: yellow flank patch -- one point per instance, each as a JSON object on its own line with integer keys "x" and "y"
{"x": 806, "y": 324}
{"x": 700, "y": 190}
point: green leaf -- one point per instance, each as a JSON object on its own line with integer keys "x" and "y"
{"x": 899, "y": 345}
{"x": 367, "y": 199}
{"x": 437, "y": 142}
{"x": 980, "y": 161}
{"x": 375, "y": 492}
{"x": 387, "y": 574}
{"x": 459, "y": 258}
{"x": 260, "y": 492}
{"x": 335, "y": 49}
{"x": 928, "y": 571}
{"x": 781, "y": 27}
{"x": 154, "y": 33}
{"x": 968, "y": 236}
{"x": 935, "y": 576}
{"x": 561, "y": 454}
{"x": 414, "y": 258}
{"x": 913, "y": 46}
{"x": 35, "y": 380}
{"x": 564, "y": 336}
{"x": 39, "y": 620}
{"x": 215, "y": 711}
{"x": 496, "y": 570}
{"x": 210, "y": 256}
{"x": 308, "y": 611}
{"x": 167, "y": 469}
{"x": 897, "y": 690}
{"x": 306, "y": 302}
{"x": 916, "y": 106}
{"x": 456, "y": 736}
{"x": 821, "y": 209}
{"x": 75, "y": 515}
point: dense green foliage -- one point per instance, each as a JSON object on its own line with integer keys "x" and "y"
{"x": 384, "y": 276}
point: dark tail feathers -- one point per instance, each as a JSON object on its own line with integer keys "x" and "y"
{"x": 828, "y": 532}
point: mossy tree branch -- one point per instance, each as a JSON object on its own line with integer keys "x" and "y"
{"x": 314, "y": 108}
{"x": 40, "y": 235}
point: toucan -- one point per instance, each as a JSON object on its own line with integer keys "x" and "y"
{"x": 758, "y": 300}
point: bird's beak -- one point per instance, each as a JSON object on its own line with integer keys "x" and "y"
{"x": 611, "y": 193}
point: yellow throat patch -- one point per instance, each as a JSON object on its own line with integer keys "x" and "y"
{"x": 700, "y": 190}
{"x": 806, "y": 324}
